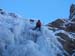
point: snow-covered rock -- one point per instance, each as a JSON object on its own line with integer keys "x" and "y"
{"x": 65, "y": 30}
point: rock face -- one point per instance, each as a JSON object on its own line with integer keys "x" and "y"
{"x": 2, "y": 12}
{"x": 72, "y": 12}
{"x": 67, "y": 42}
{"x": 68, "y": 26}
{"x": 65, "y": 24}
{"x": 57, "y": 23}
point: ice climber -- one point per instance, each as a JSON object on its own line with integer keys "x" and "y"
{"x": 38, "y": 25}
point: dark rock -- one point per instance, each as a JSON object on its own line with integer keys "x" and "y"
{"x": 2, "y": 12}
{"x": 70, "y": 27}
{"x": 57, "y": 23}
{"x": 67, "y": 43}
{"x": 13, "y": 15}
{"x": 63, "y": 36}
{"x": 31, "y": 20}
{"x": 72, "y": 11}
{"x": 1, "y": 9}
